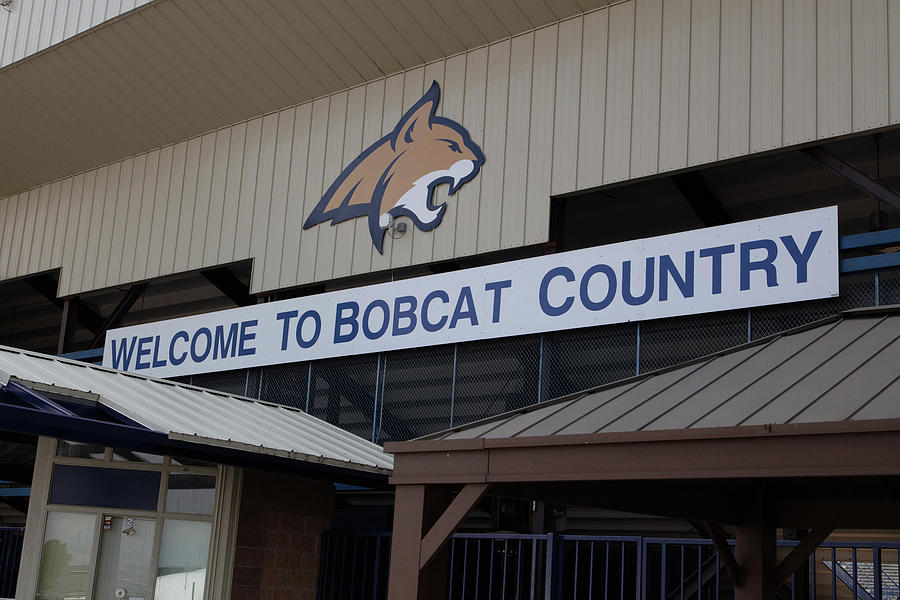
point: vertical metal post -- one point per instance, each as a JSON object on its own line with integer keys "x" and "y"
{"x": 247, "y": 382}
{"x": 382, "y": 370}
{"x": 308, "y": 384}
{"x": 877, "y": 289}
{"x": 63, "y": 327}
{"x": 637, "y": 358}
{"x": 540, "y": 368}
{"x": 749, "y": 326}
{"x": 453, "y": 386}
{"x": 375, "y": 407}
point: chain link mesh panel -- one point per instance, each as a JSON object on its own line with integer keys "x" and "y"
{"x": 242, "y": 382}
{"x": 889, "y": 287}
{"x": 495, "y": 376}
{"x": 286, "y": 384}
{"x": 579, "y": 359}
{"x": 855, "y": 291}
{"x": 667, "y": 342}
{"x": 343, "y": 392}
{"x": 416, "y": 393}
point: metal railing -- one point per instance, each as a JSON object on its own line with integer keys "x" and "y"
{"x": 503, "y": 566}
{"x": 11, "y": 539}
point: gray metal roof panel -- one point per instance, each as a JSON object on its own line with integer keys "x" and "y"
{"x": 182, "y": 410}
{"x": 841, "y": 368}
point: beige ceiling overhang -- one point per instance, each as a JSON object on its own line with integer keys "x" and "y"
{"x": 172, "y": 69}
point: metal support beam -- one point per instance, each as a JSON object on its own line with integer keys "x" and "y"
{"x": 853, "y": 175}
{"x": 441, "y": 531}
{"x": 800, "y": 553}
{"x": 720, "y": 541}
{"x": 232, "y": 287}
{"x": 755, "y": 552}
{"x": 693, "y": 188}
{"x": 46, "y": 286}
{"x": 118, "y": 313}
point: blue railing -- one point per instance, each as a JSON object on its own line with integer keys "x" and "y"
{"x": 10, "y": 554}
{"x": 500, "y": 566}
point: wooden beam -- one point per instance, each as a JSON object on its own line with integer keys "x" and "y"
{"x": 800, "y": 553}
{"x": 441, "y": 531}
{"x": 720, "y": 541}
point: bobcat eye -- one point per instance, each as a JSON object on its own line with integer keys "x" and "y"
{"x": 453, "y": 146}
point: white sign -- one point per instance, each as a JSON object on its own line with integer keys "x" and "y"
{"x": 779, "y": 259}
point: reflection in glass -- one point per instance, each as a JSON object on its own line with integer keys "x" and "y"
{"x": 125, "y": 455}
{"x": 182, "y": 560}
{"x": 79, "y": 450}
{"x": 126, "y": 553}
{"x": 66, "y": 556}
{"x": 191, "y": 494}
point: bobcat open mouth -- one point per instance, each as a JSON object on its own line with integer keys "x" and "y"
{"x": 416, "y": 202}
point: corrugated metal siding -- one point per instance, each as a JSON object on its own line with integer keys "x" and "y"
{"x": 634, "y": 89}
{"x": 190, "y": 412}
{"x": 34, "y": 25}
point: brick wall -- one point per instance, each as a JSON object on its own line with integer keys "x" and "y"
{"x": 280, "y": 537}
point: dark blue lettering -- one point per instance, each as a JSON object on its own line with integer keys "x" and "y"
{"x": 221, "y": 344}
{"x": 385, "y": 319}
{"x": 428, "y": 325}
{"x": 141, "y": 351}
{"x": 648, "y": 283}
{"x": 497, "y": 287}
{"x": 763, "y": 264}
{"x": 668, "y": 269}
{"x": 340, "y": 319}
{"x": 610, "y": 287}
{"x": 801, "y": 259}
{"x": 405, "y": 313}
{"x": 157, "y": 363}
{"x": 286, "y": 316}
{"x": 465, "y": 297}
{"x": 121, "y": 358}
{"x": 181, "y": 335}
{"x": 310, "y": 314}
{"x": 716, "y": 253}
{"x": 201, "y": 356}
{"x": 550, "y": 310}
{"x": 247, "y": 336}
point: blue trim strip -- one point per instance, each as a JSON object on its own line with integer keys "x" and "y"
{"x": 84, "y": 354}
{"x": 870, "y": 263}
{"x": 887, "y": 237}
{"x": 15, "y": 492}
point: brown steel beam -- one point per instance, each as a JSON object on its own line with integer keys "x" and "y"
{"x": 800, "y": 553}
{"x": 702, "y": 200}
{"x": 46, "y": 286}
{"x": 853, "y": 175}
{"x": 230, "y": 286}
{"x": 441, "y": 531}
{"x": 755, "y": 552}
{"x": 720, "y": 541}
{"x": 855, "y": 448}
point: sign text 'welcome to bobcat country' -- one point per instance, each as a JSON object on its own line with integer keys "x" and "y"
{"x": 779, "y": 259}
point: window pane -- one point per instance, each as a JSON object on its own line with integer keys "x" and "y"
{"x": 96, "y": 486}
{"x": 126, "y": 552}
{"x": 182, "y": 560}
{"x": 191, "y": 494}
{"x": 79, "y": 450}
{"x": 66, "y": 556}
{"x": 123, "y": 455}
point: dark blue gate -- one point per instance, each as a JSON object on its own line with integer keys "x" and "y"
{"x": 10, "y": 554}
{"x": 500, "y": 566}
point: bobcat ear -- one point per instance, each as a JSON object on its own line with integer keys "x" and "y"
{"x": 417, "y": 117}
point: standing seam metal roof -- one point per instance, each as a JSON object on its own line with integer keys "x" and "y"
{"x": 196, "y": 414}
{"x": 843, "y": 368}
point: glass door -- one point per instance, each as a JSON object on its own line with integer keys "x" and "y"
{"x": 125, "y": 566}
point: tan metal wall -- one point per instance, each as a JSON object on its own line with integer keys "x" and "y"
{"x": 30, "y": 26}
{"x": 641, "y": 87}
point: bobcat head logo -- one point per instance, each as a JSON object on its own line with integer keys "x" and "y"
{"x": 397, "y": 174}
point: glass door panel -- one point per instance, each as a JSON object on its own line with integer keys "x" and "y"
{"x": 125, "y": 562}
{"x": 66, "y": 557}
{"x": 182, "y": 560}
